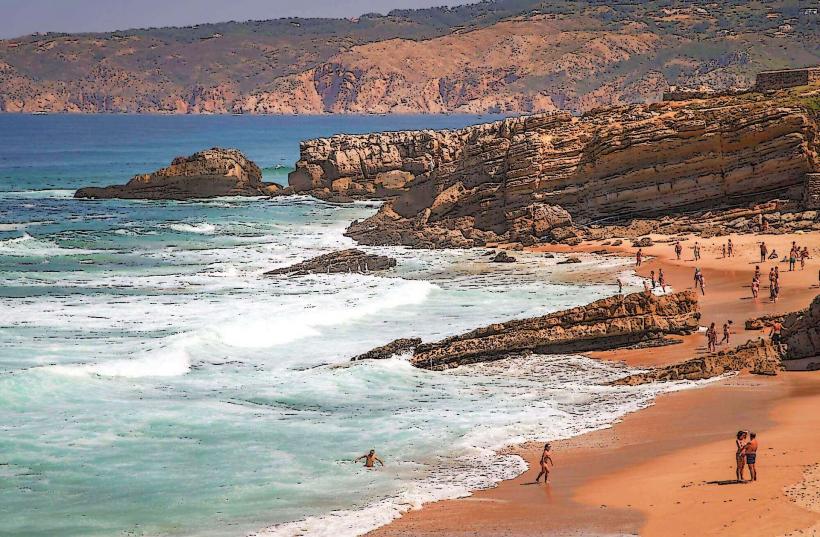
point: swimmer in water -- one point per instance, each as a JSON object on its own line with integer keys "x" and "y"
{"x": 370, "y": 459}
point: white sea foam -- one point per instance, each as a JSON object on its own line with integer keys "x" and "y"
{"x": 22, "y": 225}
{"x": 28, "y": 246}
{"x": 169, "y": 362}
{"x": 38, "y": 194}
{"x": 203, "y": 228}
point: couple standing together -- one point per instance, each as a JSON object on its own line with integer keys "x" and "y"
{"x": 746, "y": 454}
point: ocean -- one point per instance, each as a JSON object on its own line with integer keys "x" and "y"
{"x": 154, "y": 383}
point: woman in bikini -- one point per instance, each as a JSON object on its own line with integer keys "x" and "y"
{"x": 546, "y": 460}
{"x": 740, "y": 442}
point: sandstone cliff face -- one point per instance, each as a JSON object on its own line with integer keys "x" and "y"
{"x": 604, "y": 324}
{"x": 206, "y": 174}
{"x": 475, "y": 185}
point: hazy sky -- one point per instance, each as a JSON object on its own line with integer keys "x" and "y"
{"x": 20, "y": 17}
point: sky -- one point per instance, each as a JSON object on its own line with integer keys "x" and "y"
{"x": 21, "y": 17}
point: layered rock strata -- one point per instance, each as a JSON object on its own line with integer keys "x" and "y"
{"x": 758, "y": 356}
{"x": 211, "y": 173}
{"x": 608, "y": 323}
{"x": 351, "y": 260}
{"x": 548, "y": 177}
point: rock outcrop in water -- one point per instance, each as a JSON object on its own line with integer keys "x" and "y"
{"x": 544, "y": 177}
{"x": 608, "y": 323}
{"x": 397, "y": 346}
{"x": 351, "y": 260}
{"x": 207, "y": 174}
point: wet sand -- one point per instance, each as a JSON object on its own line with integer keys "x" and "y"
{"x": 667, "y": 470}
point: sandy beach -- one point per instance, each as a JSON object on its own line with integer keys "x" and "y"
{"x": 668, "y": 469}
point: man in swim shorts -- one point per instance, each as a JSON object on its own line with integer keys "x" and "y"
{"x": 370, "y": 459}
{"x": 750, "y": 452}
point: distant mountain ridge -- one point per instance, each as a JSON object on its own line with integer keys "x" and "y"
{"x": 502, "y": 56}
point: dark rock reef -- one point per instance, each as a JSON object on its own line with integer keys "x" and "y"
{"x": 207, "y": 174}
{"x": 609, "y": 323}
{"x": 351, "y": 260}
{"x": 397, "y": 346}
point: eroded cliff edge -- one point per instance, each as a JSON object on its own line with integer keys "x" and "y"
{"x": 545, "y": 177}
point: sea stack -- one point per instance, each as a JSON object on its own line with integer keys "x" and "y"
{"x": 206, "y": 174}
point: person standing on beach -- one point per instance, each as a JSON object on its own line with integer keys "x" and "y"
{"x": 750, "y": 452}
{"x": 755, "y": 286}
{"x": 620, "y": 287}
{"x": 764, "y": 252}
{"x": 546, "y": 461}
{"x": 638, "y": 257}
{"x": 370, "y": 459}
{"x": 730, "y": 248}
{"x": 792, "y": 257}
{"x": 678, "y": 250}
{"x": 804, "y": 254}
{"x": 740, "y": 459}
{"x": 711, "y": 338}
{"x": 702, "y": 283}
{"x": 652, "y": 276}
{"x": 723, "y": 250}
{"x": 661, "y": 280}
{"x": 696, "y": 251}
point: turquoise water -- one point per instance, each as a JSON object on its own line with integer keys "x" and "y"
{"x": 153, "y": 382}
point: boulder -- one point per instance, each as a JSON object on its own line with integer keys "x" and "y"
{"x": 503, "y": 257}
{"x": 352, "y": 260}
{"x": 569, "y": 261}
{"x": 206, "y": 174}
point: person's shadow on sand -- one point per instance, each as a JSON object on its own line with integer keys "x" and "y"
{"x": 726, "y": 482}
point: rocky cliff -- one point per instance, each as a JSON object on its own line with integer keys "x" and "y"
{"x": 604, "y": 324}
{"x": 206, "y": 174}
{"x": 504, "y": 55}
{"x": 801, "y": 332}
{"x": 518, "y": 178}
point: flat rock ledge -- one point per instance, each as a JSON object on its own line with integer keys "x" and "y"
{"x": 757, "y": 356}
{"x": 211, "y": 173}
{"x": 352, "y": 261}
{"x": 609, "y": 323}
{"x": 396, "y": 346}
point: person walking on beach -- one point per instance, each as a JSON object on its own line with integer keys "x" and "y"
{"x": 757, "y": 271}
{"x": 661, "y": 280}
{"x": 711, "y": 338}
{"x": 723, "y": 250}
{"x": 702, "y": 283}
{"x": 792, "y": 258}
{"x": 620, "y": 287}
{"x": 730, "y": 248}
{"x": 370, "y": 459}
{"x": 755, "y": 286}
{"x": 740, "y": 441}
{"x": 638, "y": 257}
{"x": 725, "y": 334}
{"x": 750, "y": 452}
{"x": 764, "y": 252}
{"x": 652, "y": 276}
{"x": 546, "y": 461}
{"x": 804, "y": 254}
{"x": 696, "y": 251}
{"x": 678, "y": 250}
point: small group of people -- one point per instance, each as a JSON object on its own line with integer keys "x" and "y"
{"x": 797, "y": 254}
{"x": 746, "y": 455}
{"x": 712, "y": 336}
{"x": 660, "y": 281}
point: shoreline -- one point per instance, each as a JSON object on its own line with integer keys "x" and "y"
{"x": 686, "y": 437}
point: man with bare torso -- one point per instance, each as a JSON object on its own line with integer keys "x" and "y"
{"x": 750, "y": 452}
{"x": 370, "y": 459}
